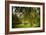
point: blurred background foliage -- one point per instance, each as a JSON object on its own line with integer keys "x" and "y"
{"x": 25, "y": 17}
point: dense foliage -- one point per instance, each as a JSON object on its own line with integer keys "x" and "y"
{"x": 25, "y": 17}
